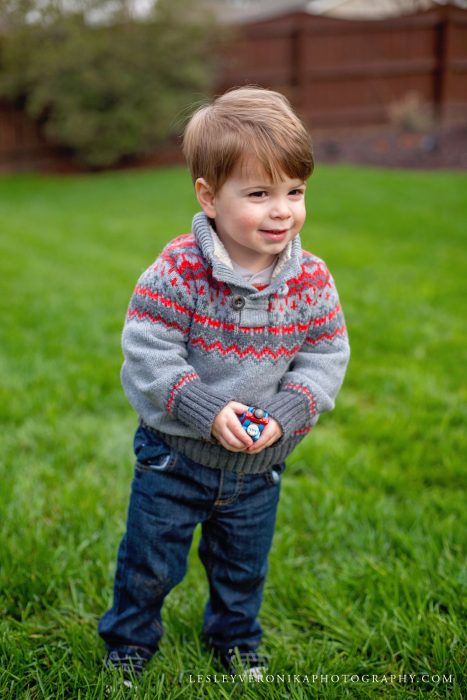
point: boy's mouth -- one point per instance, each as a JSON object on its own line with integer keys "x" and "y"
{"x": 274, "y": 233}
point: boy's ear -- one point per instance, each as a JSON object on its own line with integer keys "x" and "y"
{"x": 205, "y": 196}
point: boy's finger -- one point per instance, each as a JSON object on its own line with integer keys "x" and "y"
{"x": 264, "y": 441}
{"x": 233, "y": 440}
{"x": 239, "y": 432}
{"x": 238, "y": 407}
{"x": 258, "y": 445}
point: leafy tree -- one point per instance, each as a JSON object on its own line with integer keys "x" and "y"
{"x": 102, "y": 81}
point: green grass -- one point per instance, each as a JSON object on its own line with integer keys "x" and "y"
{"x": 366, "y": 573}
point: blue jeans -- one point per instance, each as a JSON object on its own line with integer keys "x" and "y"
{"x": 170, "y": 495}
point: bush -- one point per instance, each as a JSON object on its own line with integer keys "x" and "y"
{"x": 113, "y": 89}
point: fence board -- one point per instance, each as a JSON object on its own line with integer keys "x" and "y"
{"x": 346, "y": 72}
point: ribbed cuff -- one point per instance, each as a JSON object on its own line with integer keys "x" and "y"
{"x": 197, "y": 407}
{"x": 290, "y": 409}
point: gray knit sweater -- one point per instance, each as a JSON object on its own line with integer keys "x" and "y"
{"x": 198, "y": 336}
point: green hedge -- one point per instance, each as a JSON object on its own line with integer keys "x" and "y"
{"x": 109, "y": 90}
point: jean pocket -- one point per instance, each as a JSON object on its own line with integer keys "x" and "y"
{"x": 273, "y": 474}
{"x": 152, "y": 453}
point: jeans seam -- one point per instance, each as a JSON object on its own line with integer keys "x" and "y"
{"x": 124, "y": 579}
{"x": 234, "y": 496}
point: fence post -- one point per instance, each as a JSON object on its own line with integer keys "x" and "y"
{"x": 296, "y": 64}
{"x": 441, "y": 63}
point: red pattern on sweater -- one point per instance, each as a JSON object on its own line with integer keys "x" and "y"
{"x": 302, "y": 431}
{"x": 192, "y": 267}
{"x": 180, "y": 242}
{"x": 214, "y": 323}
{"x": 303, "y": 390}
{"x": 327, "y": 336}
{"x": 234, "y": 348}
{"x": 141, "y": 315}
{"x": 165, "y": 301}
{"x": 250, "y": 350}
{"x": 177, "y": 386}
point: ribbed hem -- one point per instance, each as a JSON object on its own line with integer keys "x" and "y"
{"x": 216, "y": 456}
{"x": 290, "y": 409}
{"x": 197, "y": 407}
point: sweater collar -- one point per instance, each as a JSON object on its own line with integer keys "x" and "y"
{"x": 287, "y": 266}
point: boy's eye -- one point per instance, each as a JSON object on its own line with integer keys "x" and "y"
{"x": 261, "y": 194}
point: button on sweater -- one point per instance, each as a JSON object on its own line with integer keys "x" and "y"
{"x": 198, "y": 335}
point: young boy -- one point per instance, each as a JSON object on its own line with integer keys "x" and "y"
{"x": 232, "y": 317}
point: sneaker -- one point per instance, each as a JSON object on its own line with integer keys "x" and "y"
{"x": 131, "y": 665}
{"x": 246, "y": 661}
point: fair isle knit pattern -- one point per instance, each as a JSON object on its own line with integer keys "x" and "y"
{"x": 198, "y": 336}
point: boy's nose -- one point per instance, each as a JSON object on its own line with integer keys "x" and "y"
{"x": 280, "y": 210}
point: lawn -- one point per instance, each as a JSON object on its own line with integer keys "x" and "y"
{"x": 366, "y": 573}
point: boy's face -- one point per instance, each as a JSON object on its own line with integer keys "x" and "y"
{"x": 255, "y": 219}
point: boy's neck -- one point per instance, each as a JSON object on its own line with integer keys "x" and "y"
{"x": 253, "y": 266}
{"x": 249, "y": 261}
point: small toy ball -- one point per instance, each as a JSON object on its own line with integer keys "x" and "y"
{"x": 253, "y": 421}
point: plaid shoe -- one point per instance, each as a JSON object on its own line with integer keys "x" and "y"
{"x": 130, "y": 662}
{"x": 245, "y": 661}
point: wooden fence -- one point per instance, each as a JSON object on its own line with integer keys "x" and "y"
{"x": 22, "y": 145}
{"x": 347, "y": 72}
{"x": 336, "y": 72}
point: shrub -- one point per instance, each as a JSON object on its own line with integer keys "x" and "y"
{"x": 111, "y": 88}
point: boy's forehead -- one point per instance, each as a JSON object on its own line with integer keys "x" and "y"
{"x": 250, "y": 170}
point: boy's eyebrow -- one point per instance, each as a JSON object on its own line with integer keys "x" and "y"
{"x": 302, "y": 183}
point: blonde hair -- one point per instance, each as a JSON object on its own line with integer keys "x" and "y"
{"x": 243, "y": 122}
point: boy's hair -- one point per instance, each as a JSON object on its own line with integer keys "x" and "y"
{"x": 247, "y": 121}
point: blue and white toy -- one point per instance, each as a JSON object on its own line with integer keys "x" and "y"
{"x": 253, "y": 421}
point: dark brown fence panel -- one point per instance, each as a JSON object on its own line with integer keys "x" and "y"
{"x": 22, "y": 145}
{"x": 268, "y": 57}
{"x": 453, "y": 66}
{"x": 344, "y": 72}
{"x": 353, "y": 73}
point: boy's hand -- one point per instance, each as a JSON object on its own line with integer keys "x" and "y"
{"x": 228, "y": 430}
{"x": 271, "y": 433}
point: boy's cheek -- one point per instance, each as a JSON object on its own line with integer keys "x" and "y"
{"x": 300, "y": 216}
